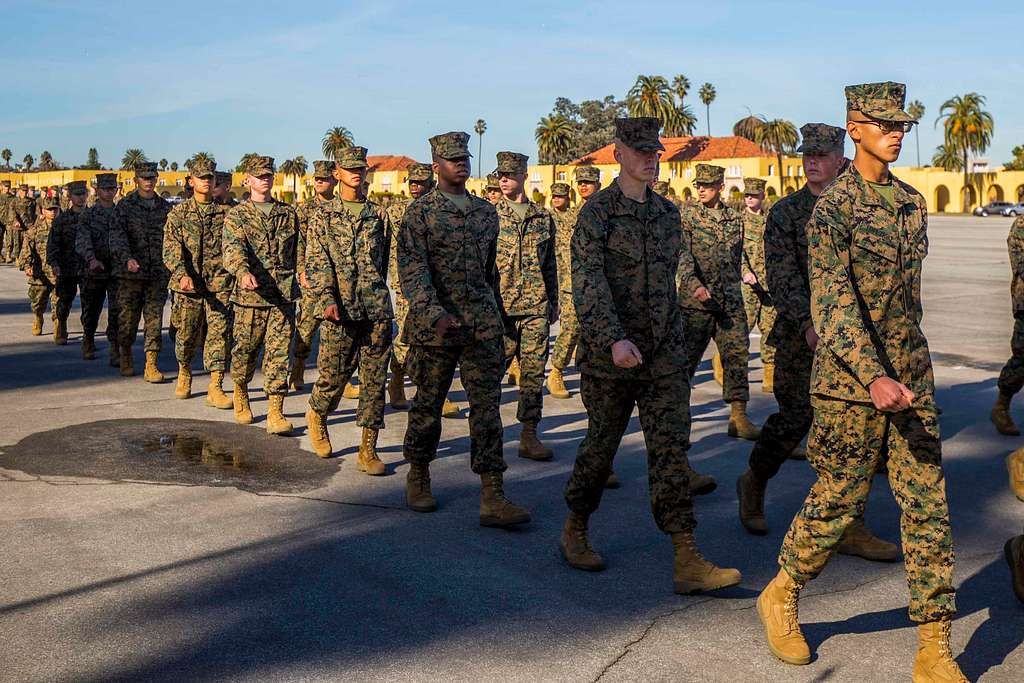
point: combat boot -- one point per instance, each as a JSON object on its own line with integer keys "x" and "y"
{"x": 1014, "y": 551}
{"x": 692, "y": 573}
{"x": 778, "y": 608}
{"x": 750, "y": 494}
{"x": 396, "y": 390}
{"x": 296, "y": 382}
{"x": 1000, "y": 415}
{"x": 612, "y": 482}
{"x": 127, "y": 362}
{"x": 151, "y": 373}
{"x": 417, "y": 489}
{"x": 798, "y": 453}
{"x": 316, "y": 425}
{"x": 183, "y": 389}
{"x": 60, "y": 332}
{"x": 1015, "y": 466}
{"x": 740, "y": 425}
{"x": 513, "y": 372}
{"x": 240, "y": 401}
{"x": 495, "y": 508}
{"x": 556, "y": 384}
{"x": 934, "y": 662}
{"x": 768, "y": 383}
{"x": 115, "y": 356}
{"x": 276, "y": 422}
{"x": 351, "y": 390}
{"x": 860, "y": 542}
{"x": 450, "y": 410}
{"x": 530, "y": 446}
{"x": 368, "y": 461}
{"x": 717, "y": 369}
{"x": 88, "y": 347}
{"x": 215, "y": 395}
{"x": 575, "y": 545}
{"x": 700, "y": 484}
{"x": 37, "y": 325}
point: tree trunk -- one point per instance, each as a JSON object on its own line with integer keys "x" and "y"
{"x": 967, "y": 188}
{"x": 917, "y": 141}
{"x": 708, "y": 108}
{"x": 479, "y": 152}
{"x": 782, "y": 189}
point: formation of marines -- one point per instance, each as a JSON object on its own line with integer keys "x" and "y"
{"x": 639, "y": 282}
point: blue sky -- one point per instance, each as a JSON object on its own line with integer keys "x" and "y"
{"x": 232, "y": 77}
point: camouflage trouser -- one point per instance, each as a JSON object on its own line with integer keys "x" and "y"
{"x": 188, "y": 313}
{"x": 37, "y": 296}
{"x": 1011, "y": 379}
{"x": 847, "y": 440}
{"x": 343, "y": 347}
{"x": 526, "y": 338}
{"x": 399, "y": 349}
{"x": 664, "y": 406}
{"x": 141, "y": 299}
{"x": 568, "y": 332}
{"x": 12, "y": 243}
{"x": 270, "y": 328}
{"x": 93, "y": 293}
{"x": 785, "y": 429}
{"x": 761, "y": 316}
{"x": 729, "y": 330}
{"x": 306, "y": 325}
{"x": 431, "y": 369}
{"x": 65, "y": 292}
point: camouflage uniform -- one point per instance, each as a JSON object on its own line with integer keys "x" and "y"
{"x": 528, "y": 285}
{"x": 568, "y": 326}
{"x": 33, "y": 255}
{"x": 756, "y": 300}
{"x": 93, "y": 242}
{"x": 446, "y": 264}
{"x": 714, "y": 238}
{"x": 865, "y": 278}
{"x": 193, "y": 247}
{"x": 21, "y": 212}
{"x": 1011, "y": 379}
{"x": 625, "y": 257}
{"x": 60, "y": 252}
{"x": 268, "y": 246}
{"x": 306, "y": 322}
{"x": 6, "y": 200}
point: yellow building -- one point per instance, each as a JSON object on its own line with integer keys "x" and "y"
{"x": 943, "y": 190}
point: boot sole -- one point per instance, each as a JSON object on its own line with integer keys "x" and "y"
{"x": 432, "y": 507}
{"x": 243, "y": 421}
{"x": 182, "y": 397}
{"x": 280, "y": 432}
{"x": 366, "y": 470}
{"x": 690, "y": 587}
{"x": 219, "y": 407}
{"x": 797, "y": 661}
{"x": 536, "y": 458}
{"x": 579, "y": 565}
{"x": 757, "y": 531}
{"x": 1005, "y": 432}
{"x": 705, "y": 489}
{"x": 489, "y": 521}
{"x": 868, "y": 556}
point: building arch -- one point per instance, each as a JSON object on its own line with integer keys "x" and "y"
{"x": 772, "y": 192}
{"x": 995, "y": 193}
{"x": 1019, "y": 193}
{"x": 941, "y": 198}
{"x": 968, "y": 197}
{"x": 687, "y": 194}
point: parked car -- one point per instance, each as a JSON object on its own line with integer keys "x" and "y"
{"x": 1014, "y": 210}
{"x": 992, "y": 209}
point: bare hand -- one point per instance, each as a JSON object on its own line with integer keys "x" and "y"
{"x": 248, "y": 282}
{"x": 133, "y": 266}
{"x": 331, "y": 313}
{"x": 446, "y": 324}
{"x": 811, "y": 337}
{"x": 626, "y": 355}
{"x": 890, "y": 396}
{"x": 186, "y": 283}
{"x": 95, "y": 266}
{"x": 28, "y": 271}
{"x": 702, "y": 294}
{"x": 750, "y": 279}
{"x": 303, "y": 281}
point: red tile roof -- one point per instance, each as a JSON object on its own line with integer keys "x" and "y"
{"x": 389, "y": 162}
{"x": 689, "y": 148}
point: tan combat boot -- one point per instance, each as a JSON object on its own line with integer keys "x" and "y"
{"x": 692, "y": 573}
{"x": 1015, "y": 467}
{"x": 296, "y": 382}
{"x": 1014, "y": 551}
{"x": 717, "y": 369}
{"x": 60, "y": 332}
{"x": 396, "y": 390}
{"x": 700, "y": 484}
{"x": 778, "y": 608}
{"x": 495, "y": 508}
{"x": 750, "y": 493}
{"x": 215, "y": 395}
{"x": 768, "y": 383}
{"x": 556, "y": 384}
{"x": 513, "y": 372}
{"x": 240, "y": 400}
{"x": 276, "y": 422}
{"x": 368, "y": 461}
{"x": 127, "y": 362}
{"x": 351, "y": 390}
{"x": 934, "y": 662}
{"x": 530, "y": 446}
{"x": 316, "y": 425}
{"x": 417, "y": 489}
{"x": 115, "y": 356}
{"x": 740, "y": 425}
{"x": 1000, "y": 415}
{"x": 450, "y": 410}
{"x": 575, "y": 545}
{"x": 859, "y": 541}
{"x": 37, "y": 325}
{"x": 183, "y": 389}
{"x": 152, "y": 373}
{"x": 88, "y": 348}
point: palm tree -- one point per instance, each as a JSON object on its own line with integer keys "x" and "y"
{"x": 707, "y": 96}
{"x": 916, "y": 110}
{"x": 967, "y": 129}
{"x": 6, "y": 156}
{"x": 199, "y": 156}
{"x": 163, "y": 164}
{"x": 555, "y": 136}
{"x": 747, "y": 127}
{"x": 480, "y": 128}
{"x": 174, "y": 166}
{"x": 92, "y": 160}
{"x": 46, "y": 161}
{"x": 132, "y": 157}
{"x": 243, "y": 163}
{"x": 335, "y": 140}
{"x": 28, "y": 162}
{"x": 681, "y": 87}
{"x": 651, "y": 96}
{"x": 682, "y": 122}
{"x": 779, "y": 137}
{"x": 295, "y": 167}
{"x": 947, "y": 158}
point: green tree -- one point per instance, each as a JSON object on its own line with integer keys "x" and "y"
{"x": 916, "y": 110}
{"x": 6, "y": 156}
{"x": 199, "y": 156}
{"x": 335, "y": 140}
{"x": 707, "y": 96}
{"x": 681, "y": 87}
{"x": 174, "y": 166}
{"x": 28, "y": 162}
{"x": 947, "y": 158}
{"x": 651, "y": 96}
{"x": 243, "y": 163}
{"x": 163, "y": 164}
{"x": 683, "y": 121}
{"x": 132, "y": 157}
{"x": 92, "y": 160}
{"x": 46, "y": 162}
{"x": 554, "y": 135}
{"x": 295, "y": 167}
{"x": 747, "y": 127}
{"x": 1018, "y": 159}
{"x": 778, "y": 137}
{"x": 480, "y": 128}
{"x": 967, "y": 128}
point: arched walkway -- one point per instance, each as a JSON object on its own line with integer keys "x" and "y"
{"x": 1019, "y": 193}
{"x": 941, "y": 198}
{"x": 968, "y": 198}
{"x": 687, "y": 194}
{"x": 995, "y": 193}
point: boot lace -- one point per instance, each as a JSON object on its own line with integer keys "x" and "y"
{"x": 421, "y": 478}
{"x": 791, "y": 609}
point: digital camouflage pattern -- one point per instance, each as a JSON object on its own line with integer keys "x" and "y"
{"x": 757, "y": 301}
{"x": 21, "y": 215}
{"x": 1011, "y": 378}
{"x": 146, "y": 169}
{"x": 400, "y": 305}
{"x": 269, "y": 328}
{"x": 344, "y": 347}
{"x": 625, "y": 256}
{"x": 421, "y": 173}
{"x": 306, "y": 322}
{"x": 568, "y": 326}
{"x": 512, "y": 162}
{"x": 41, "y": 283}
{"x": 821, "y": 138}
{"x": 493, "y": 181}
{"x": 559, "y": 190}
{"x": 92, "y": 241}
{"x": 639, "y": 133}
{"x": 708, "y": 174}
{"x": 323, "y": 169}
{"x": 661, "y": 187}
{"x": 260, "y": 165}
{"x": 452, "y": 145}
{"x": 60, "y": 253}
{"x": 590, "y": 174}
{"x": 352, "y": 157}
{"x": 882, "y": 101}
{"x": 753, "y": 186}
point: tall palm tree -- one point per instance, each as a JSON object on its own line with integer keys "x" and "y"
{"x": 707, "y": 96}
{"x": 682, "y": 121}
{"x": 779, "y": 137}
{"x": 947, "y": 158}
{"x": 747, "y": 127}
{"x": 295, "y": 167}
{"x": 46, "y": 161}
{"x": 335, "y": 140}
{"x": 681, "y": 87}
{"x": 28, "y": 162}
{"x": 163, "y": 164}
{"x": 132, "y": 157}
{"x": 916, "y": 110}
{"x": 243, "y": 163}
{"x": 6, "y": 156}
{"x": 199, "y": 156}
{"x": 967, "y": 128}
{"x": 480, "y": 128}
{"x": 651, "y": 96}
{"x": 174, "y": 166}
{"x": 555, "y": 136}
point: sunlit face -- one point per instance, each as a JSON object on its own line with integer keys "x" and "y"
{"x": 881, "y": 139}
{"x": 260, "y": 184}
{"x": 418, "y": 188}
{"x": 754, "y": 202}
{"x": 821, "y": 169}
{"x": 586, "y": 188}
{"x": 145, "y": 184}
{"x": 324, "y": 186}
{"x": 201, "y": 185}
{"x": 351, "y": 178}
{"x": 511, "y": 183}
{"x": 452, "y": 171}
{"x": 559, "y": 203}
{"x": 493, "y": 195}
{"x": 640, "y": 165}
{"x": 708, "y": 194}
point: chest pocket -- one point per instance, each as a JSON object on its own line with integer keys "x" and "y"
{"x": 626, "y": 245}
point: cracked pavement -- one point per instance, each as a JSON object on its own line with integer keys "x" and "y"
{"x": 123, "y": 573}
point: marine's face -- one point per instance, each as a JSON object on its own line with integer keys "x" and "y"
{"x": 352, "y": 177}
{"x": 145, "y": 184}
{"x": 260, "y": 184}
{"x": 418, "y": 188}
{"x": 78, "y": 199}
{"x": 511, "y": 183}
{"x": 493, "y": 195}
{"x": 49, "y": 214}
{"x": 324, "y": 186}
{"x": 822, "y": 168}
{"x": 454, "y": 171}
{"x": 586, "y": 188}
{"x": 201, "y": 185}
{"x": 641, "y": 165}
{"x": 106, "y": 195}
{"x": 754, "y": 202}
{"x": 708, "y": 194}
{"x": 876, "y": 137}
{"x": 559, "y": 203}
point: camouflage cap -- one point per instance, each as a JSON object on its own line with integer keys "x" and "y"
{"x": 560, "y": 190}
{"x": 323, "y": 169}
{"x": 5, "y": 183}
{"x": 661, "y": 187}
{"x": 146, "y": 169}
{"x": 203, "y": 168}
{"x": 640, "y": 133}
{"x": 588, "y": 174}
{"x": 352, "y": 157}
{"x": 51, "y": 203}
{"x": 106, "y": 181}
{"x": 260, "y": 165}
{"x": 512, "y": 162}
{"x": 753, "y": 185}
{"x": 883, "y": 101}
{"x": 23, "y": 186}
{"x": 821, "y": 138}
{"x": 709, "y": 175}
{"x": 77, "y": 187}
{"x": 453, "y": 145}
{"x": 421, "y": 173}
{"x": 492, "y": 181}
